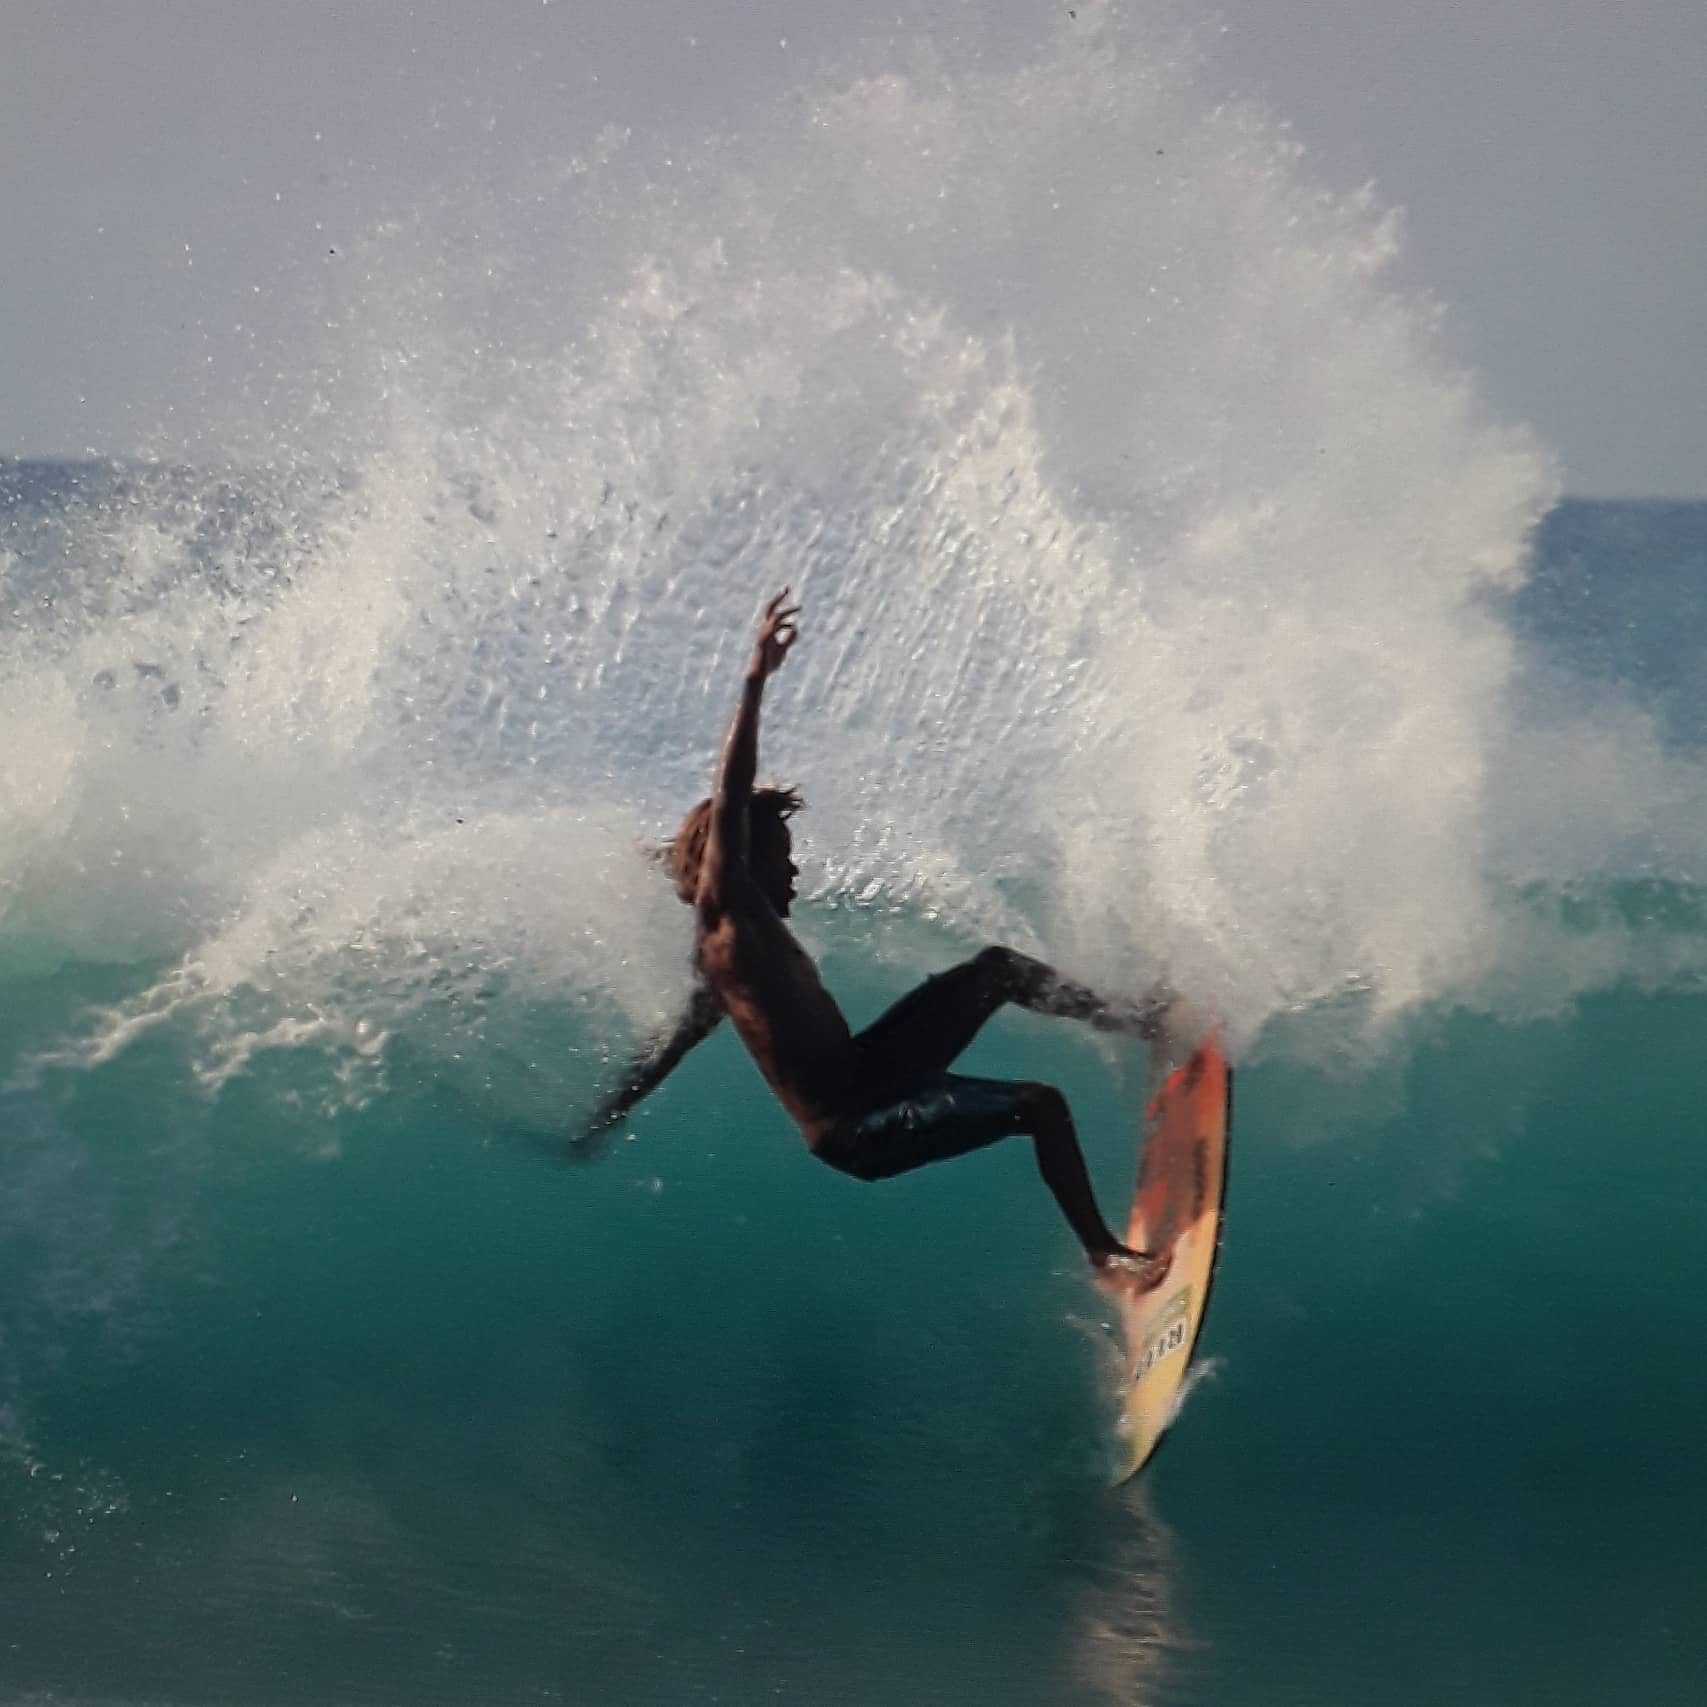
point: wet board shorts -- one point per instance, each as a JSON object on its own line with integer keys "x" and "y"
{"x": 937, "y": 1116}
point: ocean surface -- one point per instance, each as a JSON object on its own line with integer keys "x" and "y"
{"x": 1174, "y": 609}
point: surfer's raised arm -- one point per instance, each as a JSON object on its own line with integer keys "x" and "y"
{"x": 649, "y": 1069}
{"x": 726, "y": 844}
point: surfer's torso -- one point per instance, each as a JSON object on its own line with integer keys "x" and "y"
{"x": 777, "y": 1003}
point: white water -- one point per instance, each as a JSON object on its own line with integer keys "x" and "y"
{"x": 1145, "y": 536}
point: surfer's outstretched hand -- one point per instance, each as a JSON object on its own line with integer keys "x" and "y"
{"x": 777, "y": 632}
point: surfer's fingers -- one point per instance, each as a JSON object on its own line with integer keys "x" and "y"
{"x": 779, "y": 618}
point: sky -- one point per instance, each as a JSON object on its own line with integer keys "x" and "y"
{"x": 168, "y": 163}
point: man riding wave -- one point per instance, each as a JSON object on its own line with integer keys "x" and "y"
{"x": 881, "y": 1101}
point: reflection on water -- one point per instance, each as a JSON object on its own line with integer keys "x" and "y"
{"x": 1129, "y": 1631}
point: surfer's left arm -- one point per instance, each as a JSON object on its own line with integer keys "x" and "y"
{"x": 648, "y": 1070}
{"x": 726, "y": 844}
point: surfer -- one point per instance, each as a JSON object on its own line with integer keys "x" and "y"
{"x": 882, "y": 1101}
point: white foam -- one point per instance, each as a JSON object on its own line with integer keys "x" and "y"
{"x": 1145, "y": 534}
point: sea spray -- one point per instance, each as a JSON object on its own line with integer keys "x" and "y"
{"x": 1152, "y": 556}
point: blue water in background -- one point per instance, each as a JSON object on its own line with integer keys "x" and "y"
{"x": 1173, "y": 610}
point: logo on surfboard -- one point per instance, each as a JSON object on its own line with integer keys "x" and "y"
{"x": 1168, "y": 1336}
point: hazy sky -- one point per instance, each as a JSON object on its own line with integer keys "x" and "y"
{"x": 167, "y": 162}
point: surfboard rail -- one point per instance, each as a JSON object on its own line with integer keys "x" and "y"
{"x": 1177, "y": 1213}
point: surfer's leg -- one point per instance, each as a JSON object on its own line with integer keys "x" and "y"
{"x": 1061, "y": 1162}
{"x": 929, "y": 1027}
{"x": 947, "y": 1115}
{"x": 1040, "y": 988}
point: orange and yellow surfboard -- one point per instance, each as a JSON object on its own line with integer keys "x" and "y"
{"x": 1176, "y": 1213}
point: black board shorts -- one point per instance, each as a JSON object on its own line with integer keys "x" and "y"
{"x": 936, "y": 1116}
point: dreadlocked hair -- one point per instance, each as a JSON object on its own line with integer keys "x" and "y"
{"x": 681, "y": 856}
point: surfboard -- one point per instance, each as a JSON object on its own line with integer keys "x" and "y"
{"x": 1176, "y": 1213}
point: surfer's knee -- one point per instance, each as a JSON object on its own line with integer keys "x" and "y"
{"x": 854, "y": 1160}
{"x": 1043, "y": 1109}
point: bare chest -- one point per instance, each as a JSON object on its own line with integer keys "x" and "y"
{"x": 776, "y": 1001}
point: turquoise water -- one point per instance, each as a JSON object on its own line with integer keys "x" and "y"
{"x": 443, "y": 1419}
{"x": 1175, "y": 609}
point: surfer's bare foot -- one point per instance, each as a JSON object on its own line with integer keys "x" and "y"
{"x": 1118, "y": 1256}
{"x": 1126, "y": 1270}
{"x": 1145, "y": 1017}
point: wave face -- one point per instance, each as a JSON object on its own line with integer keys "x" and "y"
{"x": 1173, "y": 609}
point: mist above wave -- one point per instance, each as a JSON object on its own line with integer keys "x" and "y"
{"x": 1146, "y": 538}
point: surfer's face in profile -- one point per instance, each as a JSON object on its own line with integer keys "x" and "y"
{"x": 771, "y": 855}
{"x": 774, "y": 869}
